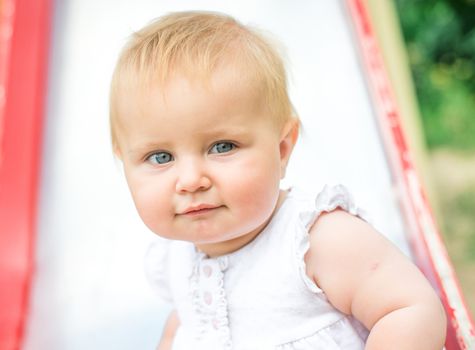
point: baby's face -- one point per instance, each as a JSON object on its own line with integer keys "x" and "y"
{"x": 203, "y": 164}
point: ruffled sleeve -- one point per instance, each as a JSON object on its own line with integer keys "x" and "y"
{"x": 329, "y": 199}
{"x": 157, "y": 268}
{"x": 333, "y": 197}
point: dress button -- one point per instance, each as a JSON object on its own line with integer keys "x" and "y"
{"x": 207, "y": 297}
{"x": 207, "y": 270}
{"x": 215, "y": 323}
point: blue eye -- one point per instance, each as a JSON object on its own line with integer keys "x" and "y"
{"x": 222, "y": 147}
{"x": 160, "y": 158}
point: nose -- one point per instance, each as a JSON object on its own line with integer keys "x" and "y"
{"x": 192, "y": 177}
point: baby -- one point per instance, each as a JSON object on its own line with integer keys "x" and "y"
{"x": 202, "y": 122}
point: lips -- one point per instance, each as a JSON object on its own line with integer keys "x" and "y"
{"x": 199, "y": 209}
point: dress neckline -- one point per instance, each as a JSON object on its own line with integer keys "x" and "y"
{"x": 224, "y": 257}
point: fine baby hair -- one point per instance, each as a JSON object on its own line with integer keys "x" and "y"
{"x": 203, "y": 125}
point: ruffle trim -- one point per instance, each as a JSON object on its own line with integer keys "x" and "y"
{"x": 209, "y": 301}
{"x": 329, "y": 199}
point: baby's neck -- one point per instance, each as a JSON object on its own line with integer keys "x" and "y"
{"x": 215, "y": 250}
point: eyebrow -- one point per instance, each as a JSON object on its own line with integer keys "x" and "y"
{"x": 218, "y": 133}
{"x": 149, "y": 146}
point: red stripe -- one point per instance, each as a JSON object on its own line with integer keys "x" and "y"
{"x": 425, "y": 239}
{"x": 23, "y": 63}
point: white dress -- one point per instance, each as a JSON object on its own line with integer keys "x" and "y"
{"x": 258, "y": 297}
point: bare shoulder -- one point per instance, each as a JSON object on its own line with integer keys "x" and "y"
{"x": 338, "y": 238}
{"x": 344, "y": 250}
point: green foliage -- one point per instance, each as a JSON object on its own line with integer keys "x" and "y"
{"x": 460, "y": 222}
{"x": 440, "y": 38}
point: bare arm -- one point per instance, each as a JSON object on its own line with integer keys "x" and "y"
{"x": 169, "y": 331}
{"x": 365, "y": 275}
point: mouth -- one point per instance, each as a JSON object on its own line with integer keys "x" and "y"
{"x": 199, "y": 209}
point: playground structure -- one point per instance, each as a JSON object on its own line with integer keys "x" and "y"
{"x": 70, "y": 243}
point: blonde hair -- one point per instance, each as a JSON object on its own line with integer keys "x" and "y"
{"x": 195, "y": 44}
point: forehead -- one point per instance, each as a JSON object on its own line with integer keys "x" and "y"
{"x": 225, "y": 86}
{"x": 189, "y": 104}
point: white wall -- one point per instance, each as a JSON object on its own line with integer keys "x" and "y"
{"x": 89, "y": 291}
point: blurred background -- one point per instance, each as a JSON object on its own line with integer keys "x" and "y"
{"x": 71, "y": 244}
{"x": 440, "y": 43}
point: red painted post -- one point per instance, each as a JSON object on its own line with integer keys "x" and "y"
{"x": 24, "y": 46}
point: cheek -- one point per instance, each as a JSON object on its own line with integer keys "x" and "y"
{"x": 150, "y": 202}
{"x": 253, "y": 185}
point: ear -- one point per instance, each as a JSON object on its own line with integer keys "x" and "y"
{"x": 288, "y": 139}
